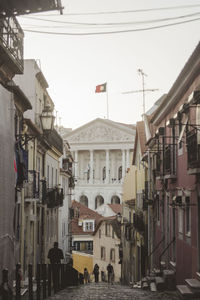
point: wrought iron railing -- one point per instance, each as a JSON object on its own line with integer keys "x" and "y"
{"x": 55, "y": 197}
{"x": 11, "y": 40}
{"x": 193, "y": 149}
{"x": 32, "y": 186}
{"x": 55, "y": 140}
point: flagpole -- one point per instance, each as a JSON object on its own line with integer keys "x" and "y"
{"x": 107, "y": 100}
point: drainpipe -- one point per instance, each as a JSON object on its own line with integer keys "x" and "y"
{"x": 22, "y": 231}
{"x": 149, "y": 214}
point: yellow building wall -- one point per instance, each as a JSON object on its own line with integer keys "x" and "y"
{"x": 129, "y": 191}
{"x": 81, "y": 261}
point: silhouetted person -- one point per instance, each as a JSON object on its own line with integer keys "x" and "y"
{"x": 55, "y": 255}
{"x": 96, "y": 273}
{"x": 110, "y": 273}
{"x": 86, "y": 276}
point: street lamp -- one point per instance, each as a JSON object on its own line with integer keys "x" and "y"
{"x": 47, "y": 119}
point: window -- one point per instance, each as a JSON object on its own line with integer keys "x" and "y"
{"x": 120, "y": 173}
{"x": 52, "y": 177}
{"x": 103, "y": 253}
{"x": 47, "y": 176}
{"x": 99, "y": 233}
{"x": 112, "y": 255}
{"x": 104, "y": 173}
{"x": 88, "y": 226}
{"x": 187, "y": 216}
{"x": 180, "y": 220}
{"x": 113, "y": 233}
{"x": 107, "y": 229}
{"x": 56, "y": 177}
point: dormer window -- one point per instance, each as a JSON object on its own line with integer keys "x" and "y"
{"x": 88, "y": 225}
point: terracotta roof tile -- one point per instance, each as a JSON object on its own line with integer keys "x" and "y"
{"x": 117, "y": 208}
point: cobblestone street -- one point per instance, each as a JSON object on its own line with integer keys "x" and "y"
{"x": 100, "y": 291}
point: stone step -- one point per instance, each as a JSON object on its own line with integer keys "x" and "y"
{"x": 185, "y": 291}
{"x": 160, "y": 283}
{"x": 194, "y": 285}
{"x": 153, "y": 287}
{"x": 168, "y": 273}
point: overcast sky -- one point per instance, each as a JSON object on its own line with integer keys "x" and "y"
{"x": 74, "y": 64}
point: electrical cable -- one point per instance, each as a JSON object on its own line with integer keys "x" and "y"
{"x": 121, "y": 23}
{"x": 112, "y": 32}
{"x": 128, "y": 11}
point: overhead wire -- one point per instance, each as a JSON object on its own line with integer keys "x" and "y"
{"x": 117, "y": 23}
{"x": 128, "y": 11}
{"x": 112, "y": 32}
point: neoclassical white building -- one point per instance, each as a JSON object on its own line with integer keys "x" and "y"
{"x": 101, "y": 151}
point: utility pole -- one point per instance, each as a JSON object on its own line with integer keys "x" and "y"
{"x": 140, "y": 72}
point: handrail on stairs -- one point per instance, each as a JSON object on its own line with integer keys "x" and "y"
{"x": 172, "y": 241}
{"x": 156, "y": 247}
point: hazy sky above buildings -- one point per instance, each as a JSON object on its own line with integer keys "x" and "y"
{"x": 74, "y": 62}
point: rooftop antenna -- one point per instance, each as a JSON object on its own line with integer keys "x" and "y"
{"x": 140, "y": 72}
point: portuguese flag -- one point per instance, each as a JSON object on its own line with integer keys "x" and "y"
{"x": 101, "y": 88}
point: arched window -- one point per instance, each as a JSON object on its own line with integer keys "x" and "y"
{"x": 115, "y": 200}
{"x": 104, "y": 173}
{"x": 99, "y": 200}
{"x": 120, "y": 173}
{"x": 84, "y": 200}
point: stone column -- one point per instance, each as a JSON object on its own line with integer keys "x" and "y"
{"x": 123, "y": 164}
{"x": 107, "y": 167}
{"x": 91, "y": 166}
{"x": 76, "y": 164}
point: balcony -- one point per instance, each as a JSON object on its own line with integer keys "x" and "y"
{"x": 170, "y": 161}
{"x": 14, "y": 7}
{"x": 138, "y": 222}
{"x": 55, "y": 140}
{"x": 11, "y": 49}
{"x": 32, "y": 186}
{"x": 54, "y": 197}
{"x": 193, "y": 149}
{"x": 67, "y": 165}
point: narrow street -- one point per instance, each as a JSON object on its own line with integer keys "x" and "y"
{"x": 101, "y": 291}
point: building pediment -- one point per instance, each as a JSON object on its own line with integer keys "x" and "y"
{"x": 101, "y": 131}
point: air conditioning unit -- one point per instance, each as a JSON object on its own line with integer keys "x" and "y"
{"x": 80, "y": 222}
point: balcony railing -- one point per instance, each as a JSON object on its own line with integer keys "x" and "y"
{"x": 32, "y": 186}
{"x": 193, "y": 149}
{"x": 55, "y": 140}
{"x": 138, "y": 222}
{"x": 14, "y": 7}
{"x": 55, "y": 197}
{"x": 11, "y": 45}
{"x": 67, "y": 165}
{"x": 170, "y": 160}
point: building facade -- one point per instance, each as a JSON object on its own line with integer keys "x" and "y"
{"x": 101, "y": 151}
{"x": 175, "y": 169}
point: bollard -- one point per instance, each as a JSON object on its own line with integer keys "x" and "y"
{"x": 18, "y": 281}
{"x": 62, "y": 285}
{"x": 38, "y": 282}
{"x": 5, "y": 290}
{"x": 49, "y": 280}
{"x": 30, "y": 281}
{"x": 44, "y": 277}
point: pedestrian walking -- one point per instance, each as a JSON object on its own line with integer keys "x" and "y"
{"x": 55, "y": 255}
{"x": 96, "y": 273}
{"x": 110, "y": 273}
{"x": 86, "y": 275}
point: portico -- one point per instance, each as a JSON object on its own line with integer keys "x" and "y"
{"x": 101, "y": 151}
